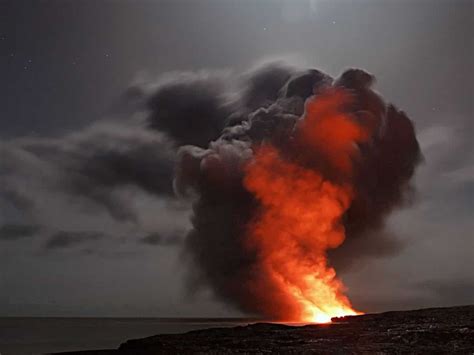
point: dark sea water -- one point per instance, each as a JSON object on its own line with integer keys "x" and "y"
{"x": 25, "y": 336}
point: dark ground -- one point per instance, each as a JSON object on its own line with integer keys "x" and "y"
{"x": 425, "y": 331}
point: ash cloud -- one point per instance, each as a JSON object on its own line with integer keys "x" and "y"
{"x": 261, "y": 86}
{"x": 195, "y": 134}
{"x": 91, "y": 166}
{"x": 115, "y": 164}
{"x": 190, "y": 107}
{"x": 222, "y": 209}
{"x": 138, "y": 151}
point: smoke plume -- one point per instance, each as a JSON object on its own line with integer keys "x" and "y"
{"x": 292, "y": 129}
{"x": 291, "y": 174}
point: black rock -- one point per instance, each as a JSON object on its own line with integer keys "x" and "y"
{"x": 425, "y": 331}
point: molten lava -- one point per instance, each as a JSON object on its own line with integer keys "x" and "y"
{"x": 301, "y": 211}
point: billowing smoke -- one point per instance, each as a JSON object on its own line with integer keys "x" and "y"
{"x": 274, "y": 111}
{"x": 196, "y": 137}
{"x": 90, "y": 165}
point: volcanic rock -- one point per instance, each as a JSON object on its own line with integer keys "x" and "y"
{"x": 425, "y": 331}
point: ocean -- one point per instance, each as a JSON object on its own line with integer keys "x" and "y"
{"x": 26, "y": 336}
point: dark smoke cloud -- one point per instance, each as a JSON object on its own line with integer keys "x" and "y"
{"x": 92, "y": 165}
{"x": 18, "y": 231}
{"x": 191, "y": 108}
{"x": 67, "y": 239}
{"x": 110, "y": 164}
{"x": 105, "y": 158}
{"x": 197, "y": 133}
{"x": 223, "y": 208}
{"x": 262, "y": 86}
{"x": 95, "y": 164}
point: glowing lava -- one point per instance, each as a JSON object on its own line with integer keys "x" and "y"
{"x": 301, "y": 212}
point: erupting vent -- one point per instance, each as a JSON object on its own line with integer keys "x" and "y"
{"x": 302, "y": 165}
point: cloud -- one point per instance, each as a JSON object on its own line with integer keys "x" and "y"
{"x": 190, "y": 107}
{"x": 193, "y": 136}
{"x": 261, "y": 86}
{"x": 90, "y": 165}
{"x": 217, "y": 247}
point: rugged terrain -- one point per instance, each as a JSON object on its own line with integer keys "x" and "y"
{"x": 426, "y": 331}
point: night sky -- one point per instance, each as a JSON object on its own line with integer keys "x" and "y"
{"x": 68, "y": 67}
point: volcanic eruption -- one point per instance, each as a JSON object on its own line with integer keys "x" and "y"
{"x": 303, "y": 163}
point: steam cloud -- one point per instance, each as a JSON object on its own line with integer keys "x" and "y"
{"x": 199, "y": 132}
{"x": 270, "y": 109}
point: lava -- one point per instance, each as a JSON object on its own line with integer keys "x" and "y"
{"x": 302, "y": 208}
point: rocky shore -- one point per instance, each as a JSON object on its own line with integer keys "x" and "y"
{"x": 425, "y": 331}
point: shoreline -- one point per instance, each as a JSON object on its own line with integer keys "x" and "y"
{"x": 449, "y": 329}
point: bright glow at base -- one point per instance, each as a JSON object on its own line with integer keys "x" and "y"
{"x": 316, "y": 315}
{"x": 321, "y": 318}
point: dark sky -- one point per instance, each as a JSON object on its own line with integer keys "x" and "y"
{"x": 65, "y": 64}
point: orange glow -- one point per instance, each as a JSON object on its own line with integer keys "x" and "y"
{"x": 301, "y": 213}
{"x": 326, "y": 128}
